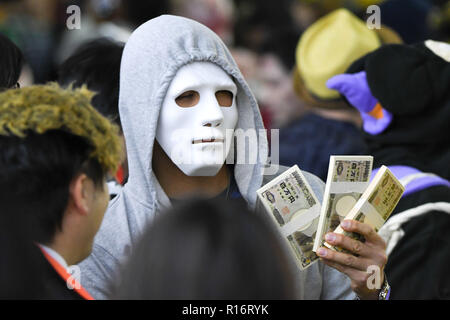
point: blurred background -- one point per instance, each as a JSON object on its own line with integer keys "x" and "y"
{"x": 261, "y": 34}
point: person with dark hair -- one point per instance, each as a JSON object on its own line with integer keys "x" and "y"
{"x": 56, "y": 152}
{"x": 205, "y": 249}
{"x": 86, "y": 66}
{"x": 267, "y": 27}
{"x": 11, "y": 62}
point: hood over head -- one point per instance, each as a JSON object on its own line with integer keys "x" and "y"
{"x": 152, "y": 56}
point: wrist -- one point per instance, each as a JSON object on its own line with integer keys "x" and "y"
{"x": 382, "y": 293}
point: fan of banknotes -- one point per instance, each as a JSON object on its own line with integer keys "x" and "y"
{"x": 376, "y": 203}
{"x": 349, "y": 194}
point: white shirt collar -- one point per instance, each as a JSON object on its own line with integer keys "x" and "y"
{"x": 55, "y": 255}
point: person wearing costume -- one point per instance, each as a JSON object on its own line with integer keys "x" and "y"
{"x": 329, "y": 127}
{"x": 402, "y": 93}
{"x": 182, "y": 100}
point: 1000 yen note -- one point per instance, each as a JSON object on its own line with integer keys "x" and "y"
{"x": 286, "y": 195}
{"x": 294, "y": 208}
{"x": 348, "y": 177}
{"x": 375, "y": 205}
{"x": 302, "y": 242}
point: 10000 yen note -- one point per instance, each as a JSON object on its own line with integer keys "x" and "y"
{"x": 375, "y": 205}
{"x": 348, "y": 177}
{"x": 292, "y": 204}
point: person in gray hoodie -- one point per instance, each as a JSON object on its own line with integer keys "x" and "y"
{"x": 156, "y": 55}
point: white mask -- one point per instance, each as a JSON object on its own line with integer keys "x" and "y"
{"x": 198, "y": 118}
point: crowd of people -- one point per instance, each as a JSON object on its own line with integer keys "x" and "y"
{"x": 122, "y": 177}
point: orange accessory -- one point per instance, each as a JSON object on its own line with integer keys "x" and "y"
{"x": 65, "y": 275}
{"x": 377, "y": 111}
{"x": 119, "y": 175}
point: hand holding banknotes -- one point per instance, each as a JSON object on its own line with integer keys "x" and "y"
{"x": 371, "y": 252}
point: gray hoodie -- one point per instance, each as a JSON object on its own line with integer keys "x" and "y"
{"x": 152, "y": 56}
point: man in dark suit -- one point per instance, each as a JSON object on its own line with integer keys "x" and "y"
{"x": 56, "y": 151}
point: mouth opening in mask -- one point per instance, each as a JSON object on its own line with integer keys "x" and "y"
{"x": 208, "y": 140}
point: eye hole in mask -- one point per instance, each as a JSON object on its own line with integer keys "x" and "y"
{"x": 191, "y": 98}
{"x": 224, "y": 98}
{"x": 188, "y": 99}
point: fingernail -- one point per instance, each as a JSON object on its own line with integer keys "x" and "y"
{"x": 330, "y": 237}
{"x": 345, "y": 224}
{"x": 322, "y": 252}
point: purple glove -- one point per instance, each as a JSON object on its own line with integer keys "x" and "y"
{"x": 356, "y": 89}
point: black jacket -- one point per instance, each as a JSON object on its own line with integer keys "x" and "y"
{"x": 418, "y": 266}
{"x": 55, "y": 287}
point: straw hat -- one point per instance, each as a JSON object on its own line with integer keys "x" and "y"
{"x": 327, "y": 48}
